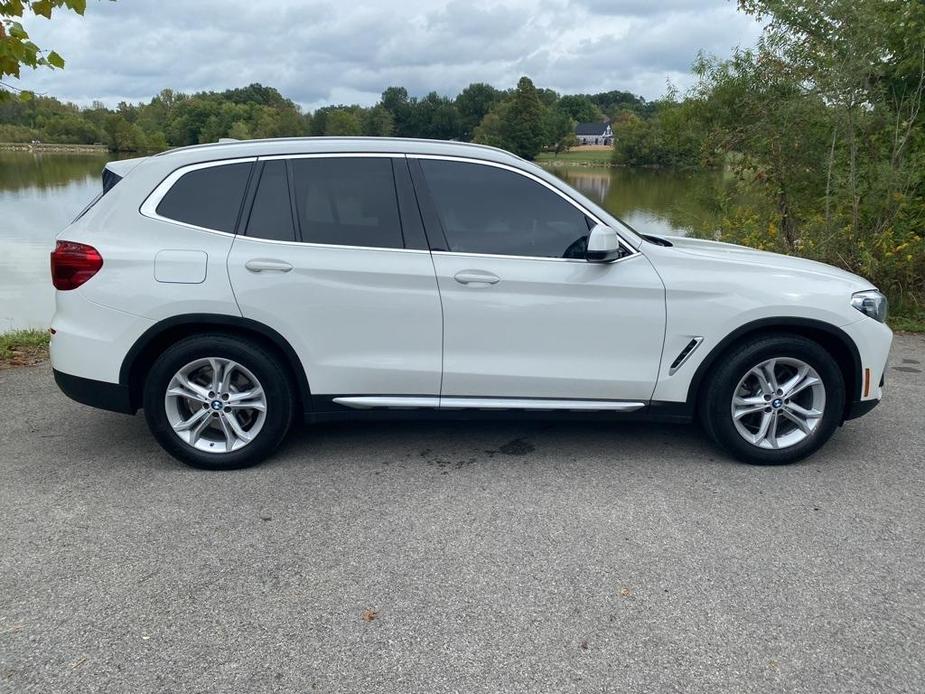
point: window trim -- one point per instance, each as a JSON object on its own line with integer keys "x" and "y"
{"x": 631, "y": 252}
{"x": 148, "y": 208}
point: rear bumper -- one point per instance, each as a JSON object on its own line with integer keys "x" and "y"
{"x": 105, "y": 396}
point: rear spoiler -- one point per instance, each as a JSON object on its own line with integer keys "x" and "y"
{"x": 115, "y": 171}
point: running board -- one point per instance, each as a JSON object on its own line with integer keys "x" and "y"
{"x": 367, "y": 402}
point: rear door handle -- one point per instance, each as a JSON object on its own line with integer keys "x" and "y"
{"x": 476, "y": 277}
{"x": 267, "y": 265}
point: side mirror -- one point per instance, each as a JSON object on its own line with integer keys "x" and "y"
{"x": 603, "y": 245}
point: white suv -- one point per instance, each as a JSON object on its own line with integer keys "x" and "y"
{"x": 231, "y": 289}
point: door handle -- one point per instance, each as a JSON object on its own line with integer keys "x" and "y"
{"x": 476, "y": 277}
{"x": 267, "y": 265}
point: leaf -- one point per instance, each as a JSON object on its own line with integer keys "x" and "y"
{"x": 55, "y": 60}
{"x": 43, "y": 8}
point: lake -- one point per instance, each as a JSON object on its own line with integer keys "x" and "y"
{"x": 41, "y": 194}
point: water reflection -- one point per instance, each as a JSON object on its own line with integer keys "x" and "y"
{"x": 653, "y": 202}
{"x": 40, "y": 194}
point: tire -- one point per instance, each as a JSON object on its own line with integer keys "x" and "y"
{"x": 228, "y": 429}
{"x": 735, "y": 404}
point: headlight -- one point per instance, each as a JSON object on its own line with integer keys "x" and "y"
{"x": 871, "y": 303}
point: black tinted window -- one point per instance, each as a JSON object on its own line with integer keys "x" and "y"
{"x": 271, "y": 214}
{"x": 209, "y": 197}
{"x": 347, "y": 200}
{"x": 485, "y": 209}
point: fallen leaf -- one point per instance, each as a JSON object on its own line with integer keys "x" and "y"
{"x": 369, "y": 615}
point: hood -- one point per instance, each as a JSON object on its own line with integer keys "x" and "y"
{"x": 717, "y": 250}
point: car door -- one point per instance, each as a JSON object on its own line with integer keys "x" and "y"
{"x": 330, "y": 258}
{"x": 525, "y": 315}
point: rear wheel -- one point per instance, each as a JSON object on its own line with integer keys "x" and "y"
{"x": 216, "y": 402}
{"x": 774, "y": 400}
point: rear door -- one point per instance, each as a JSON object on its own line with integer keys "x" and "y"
{"x": 525, "y": 315}
{"x": 333, "y": 257}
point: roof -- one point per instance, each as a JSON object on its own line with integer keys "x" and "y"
{"x": 591, "y": 128}
{"x": 302, "y": 145}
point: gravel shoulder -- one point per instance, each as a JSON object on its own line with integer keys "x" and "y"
{"x": 469, "y": 557}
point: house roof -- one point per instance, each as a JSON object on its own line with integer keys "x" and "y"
{"x": 591, "y": 128}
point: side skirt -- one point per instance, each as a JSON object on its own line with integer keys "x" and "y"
{"x": 390, "y": 408}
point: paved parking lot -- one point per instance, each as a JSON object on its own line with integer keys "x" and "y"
{"x": 517, "y": 557}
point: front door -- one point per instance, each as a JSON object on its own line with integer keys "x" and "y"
{"x": 525, "y": 315}
{"x": 325, "y": 261}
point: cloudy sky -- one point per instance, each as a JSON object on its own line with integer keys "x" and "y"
{"x": 320, "y": 52}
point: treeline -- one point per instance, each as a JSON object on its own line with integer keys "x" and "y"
{"x": 524, "y": 119}
{"x": 822, "y": 133}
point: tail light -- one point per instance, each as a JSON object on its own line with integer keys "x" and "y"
{"x": 73, "y": 263}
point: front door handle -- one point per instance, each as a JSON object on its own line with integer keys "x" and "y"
{"x": 476, "y": 277}
{"x": 267, "y": 265}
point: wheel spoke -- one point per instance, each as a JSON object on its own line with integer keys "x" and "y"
{"x": 252, "y": 394}
{"x": 197, "y": 417}
{"x": 763, "y": 428}
{"x": 247, "y": 405}
{"x": 759, "y": 373}
{"x": 769, "y": 368}
{"x": 236, "y": 426}
{"x": 802, "y": 411}
{"x": 185, "y": 388}
{"x": 803, "y": 385}
{"x": 772, "y": 431}
{"x": 790, "y": 384}
{"x": 749, "y": 405}
{"x": 227, "y": 431}
{"x": 799, "y": 421}
{"x": 217, "y": 369}
{"x": 225, "y": 383}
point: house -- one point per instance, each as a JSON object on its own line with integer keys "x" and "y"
{"x": 594, "y": 134}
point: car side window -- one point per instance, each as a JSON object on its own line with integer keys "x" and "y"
{"x": 348, "y": 201}
{"x": 209, "y": 197}
{"x": 486, "y": 209}
{"x": 271, "y": 213}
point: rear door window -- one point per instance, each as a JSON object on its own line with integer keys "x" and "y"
{"x": 348, "y": 201}
{"x": 209, "y": 197}
{"x": 271, "y": 213}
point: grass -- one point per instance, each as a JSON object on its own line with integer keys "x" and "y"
{"x": 23, "y": 348}
{"x": 908, "y": 322}
{"x": 599, "y": 156}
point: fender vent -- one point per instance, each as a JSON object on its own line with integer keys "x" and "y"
{"x": 684, "y": 354}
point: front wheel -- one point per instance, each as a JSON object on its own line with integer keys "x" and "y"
{"x": 774, "y": 400}
{"x": 216, "y": 402}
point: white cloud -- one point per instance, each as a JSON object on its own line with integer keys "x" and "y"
{"x": 325, "y": 52}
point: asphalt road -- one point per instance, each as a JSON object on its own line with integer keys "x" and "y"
{"x": 518, "y": 557}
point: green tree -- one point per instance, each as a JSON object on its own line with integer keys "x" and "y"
{"x": 17, "y": 49}
{"x": 378, "y": 122}
{"x": 559, "y": 130}
{"x": 472, "y": 104}
{"x": 518, "y": 123}
{"x": 580, "y": 108}
{"x": 342, "y": 121}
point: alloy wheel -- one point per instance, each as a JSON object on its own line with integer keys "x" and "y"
{"x": 778, "y": 403}
{"x": 215, "y": 405}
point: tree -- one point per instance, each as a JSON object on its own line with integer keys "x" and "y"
{"x": 580, "y": 108}
{"x": 522, "y": 125}
{"x": 17, "y": 49}
{"x": 378, "y": 122}
{"x": 472, "y": 104}
{"x": 342, "y": 121}
{"x": 560, "y": 130}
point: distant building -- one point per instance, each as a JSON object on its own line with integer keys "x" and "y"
{"x": 594, "y": 134}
